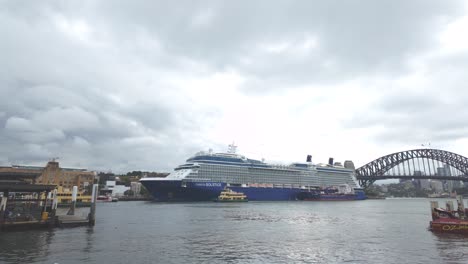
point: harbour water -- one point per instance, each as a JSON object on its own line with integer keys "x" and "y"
{"x": 371, "y": 231}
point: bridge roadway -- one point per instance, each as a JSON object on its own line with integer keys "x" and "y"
{"x": 463, "y": 178}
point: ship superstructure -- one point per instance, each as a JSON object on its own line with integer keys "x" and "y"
{"x": 206, "y": 174}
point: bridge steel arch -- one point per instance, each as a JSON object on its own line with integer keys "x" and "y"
{"x": 373, "y": 170}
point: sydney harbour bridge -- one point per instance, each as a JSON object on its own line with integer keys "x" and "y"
{"x": 415, "y": 164}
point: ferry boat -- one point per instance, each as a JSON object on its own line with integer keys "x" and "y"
{"x": 205, "y": 175}
{"x": 229, "y": 195}
{"x": 64, "y": 198}
{"x": 449, "y": 220}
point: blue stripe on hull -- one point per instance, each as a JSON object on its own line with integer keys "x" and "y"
{"x": 268, "y": 194}
{"x": 360, "y": 195}
{"x": 174, "y": 191}
{"x": 208, "y": 191}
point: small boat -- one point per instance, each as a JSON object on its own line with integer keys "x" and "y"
{"x": 449, "y": 220}
{"x": 228, "y": 195}
{"x": 104, "y": 198}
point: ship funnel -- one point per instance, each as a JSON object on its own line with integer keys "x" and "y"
{"x": 349, "y": 165}
{"x": 330, "y": 161}
{"x": 309, "y": 158}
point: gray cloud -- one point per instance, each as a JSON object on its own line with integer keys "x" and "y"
{"x": 88, "y": 105}
{"x": 92, "y": 82}
{"x": 353, "y": 38}
{"x": 434, "y": 111}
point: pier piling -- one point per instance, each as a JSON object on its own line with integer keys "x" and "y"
{"x": 3, "y": 204}
{"x": 434, "y": 205}
{"x": 460, "y": 207}
{"x": 449, "y": 206}
{"x": 92, "y": 212}
{"x": 71, "y": 211}
{"x": 53, "y": 209}
{"x": 45, "y": 213}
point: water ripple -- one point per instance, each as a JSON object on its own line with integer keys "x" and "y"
{"x": 388, "y": 231}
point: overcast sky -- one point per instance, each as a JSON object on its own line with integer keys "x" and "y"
{"x": 143, "y": 85}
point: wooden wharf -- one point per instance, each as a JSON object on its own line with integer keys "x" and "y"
{"x": 48, "y": 217}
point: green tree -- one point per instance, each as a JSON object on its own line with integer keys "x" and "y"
{"x": 144, "y": 192}
{"x": 374, "y": 190}
{"x": 125, "y": 180}
{"x": 135, "y": 173}
{"x": 105, "y": 176}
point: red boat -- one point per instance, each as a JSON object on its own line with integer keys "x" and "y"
{"x": 449, "y": 220}
{"x": 104, "y": 198}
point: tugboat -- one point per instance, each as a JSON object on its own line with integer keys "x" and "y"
{"x": 449, "y": 220}
{"x": 228, "y": 195}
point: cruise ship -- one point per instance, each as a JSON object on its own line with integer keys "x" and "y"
{"x": 205, "y": 175}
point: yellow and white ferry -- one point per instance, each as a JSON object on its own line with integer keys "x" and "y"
{"x": 64, "y": 197}
{"x": 228, "y": 195}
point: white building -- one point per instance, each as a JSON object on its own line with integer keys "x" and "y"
{"x": 115, "y": 190}
{"x": 136, "y": 188}
{"x": 437, "y": 186}
{"x": 425, "y": 184}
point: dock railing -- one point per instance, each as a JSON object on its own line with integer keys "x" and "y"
{"x": 39, "y": 211}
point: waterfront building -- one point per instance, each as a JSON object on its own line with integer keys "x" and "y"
{"x": 114, "y": 189}
{"x": 136, "y": 188}
{"x": 451, "y": 185}
{"x": 424, "y": 184}
{"x": 437, "y": 186}
{"x": 53, "y": 174}
{"x": 444, "y": 171}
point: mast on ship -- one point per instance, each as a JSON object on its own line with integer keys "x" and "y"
{"x": 232, "y": 148}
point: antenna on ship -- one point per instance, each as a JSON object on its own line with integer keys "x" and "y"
{"x": 232, "y": 148}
